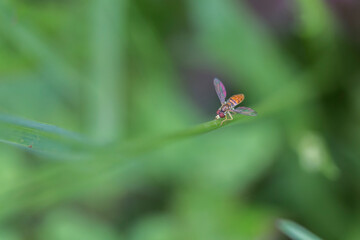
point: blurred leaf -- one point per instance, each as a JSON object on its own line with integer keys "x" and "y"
{"x": 27, "y": 41}
{"x": 353, "y": 232}
{"x": 295, "y": 231}
{"x": 234, "y": 163}
{"x": 210, "y": 216}
{"x": 48, "y": 139}
{"x": 70, "y": 224}
{"x": 23, "y": 95}
{"x": 315, "y": 156}
{"x": 319, "y": 28}
{"x": 316, "y": 20}
{"x": 10, "y": 234}
{"x": 155, "y": 228}
{"x": 12, "y": 169}
{"x": 305, "y": 190}
{"x": 67, "y": 181}
{"x": 106, "y": 103}
{"x": 155, "y": 82}
{"x": 231, "y": 36}
{"x": 40, "y": 138}
{"x": 225, "y": 164}
{"x": 55, "y": 184}
{"x": 229, "y": 157}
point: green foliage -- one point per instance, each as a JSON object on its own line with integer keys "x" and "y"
{"x": 141, "y": 156}
{"x": 68, "y": 224}
{"x": 41, "y": 138}
{"x": 296, "y": 232}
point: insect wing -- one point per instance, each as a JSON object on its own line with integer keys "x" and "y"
{"x": 246, "y": 111}
{"x": 220, "y": 90}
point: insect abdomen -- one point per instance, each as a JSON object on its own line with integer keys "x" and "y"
{"x": 236, "y": 99}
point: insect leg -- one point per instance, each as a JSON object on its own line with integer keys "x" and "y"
{"x": 230, "y": 116}
{"x": 224, "y": 120}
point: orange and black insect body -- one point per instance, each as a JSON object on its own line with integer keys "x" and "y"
{"x": 228, "y": 107}
{"x": 235, "y": 100}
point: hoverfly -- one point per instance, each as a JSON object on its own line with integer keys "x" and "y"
{"x": 227, "y": 107}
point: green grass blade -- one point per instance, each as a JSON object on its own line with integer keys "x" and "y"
{"x": 41, "y": 138}
{"x": 63, "y": 182}
{"x": 295, "y": 231}
{"x": 106, "y": 98}
{"x": 53, "y": 140}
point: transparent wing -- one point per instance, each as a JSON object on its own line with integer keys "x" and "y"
{"x": 220, "y": 90}
{"x": 246, "y": 111}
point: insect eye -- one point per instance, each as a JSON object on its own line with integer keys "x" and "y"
{"x": 222, "y": 115}
{"x": 217, "y": 112}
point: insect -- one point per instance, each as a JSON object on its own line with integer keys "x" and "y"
{"x": 228, "y": 107}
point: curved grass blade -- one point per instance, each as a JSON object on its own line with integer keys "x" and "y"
{"x": 41, "y": 138}
{"x": 295, "y": 231}
{"x": 62, "y": 182}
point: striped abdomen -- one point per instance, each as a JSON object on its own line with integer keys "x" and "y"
{"x": 235, "y": 100}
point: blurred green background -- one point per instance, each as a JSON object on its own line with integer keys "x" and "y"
{"x": 141, "y": 157}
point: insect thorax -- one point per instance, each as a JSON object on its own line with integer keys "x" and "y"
{"x": 225, "y": 107}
